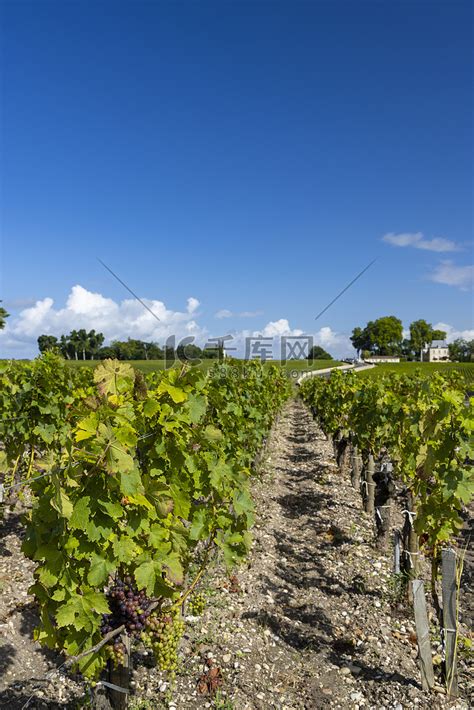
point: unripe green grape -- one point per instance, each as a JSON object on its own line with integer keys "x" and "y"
{"x": 197, "y": 604}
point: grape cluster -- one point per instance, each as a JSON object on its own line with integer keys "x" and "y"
{"x": 163, "y": 635}
{"x": 197, "y": 604}
{"x": 131, "y": 608}
{"x": 116, "y": 651}
{"x": 128, "y": 606}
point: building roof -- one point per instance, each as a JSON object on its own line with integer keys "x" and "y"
{"x": 439, "y": 344}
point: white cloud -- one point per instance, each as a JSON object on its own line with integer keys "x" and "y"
{"x": 278, "y": 328}
{"x": 83, "y": 302}
{"x": 453, "y": 333}
{"x": 328, "y": 338}
{"x": 225, "y": 313}
{"x": 85, "y": 309}
{"x": 417, "y": 241}
{"x": 193, "y": 305}
{"x": 337, "y": 344}
{"x": 452, "y": 275}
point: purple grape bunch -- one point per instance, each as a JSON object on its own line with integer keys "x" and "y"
{"x": 128, "y": 607}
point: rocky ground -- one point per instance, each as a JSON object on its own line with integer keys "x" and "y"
{"x": 314, "y": 620}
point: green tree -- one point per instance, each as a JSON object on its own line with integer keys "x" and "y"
{"x": 406, "y": 349}
{"x": 65, "y": 347}
{"x": 189, "y": 351}
{"x": 213, "y": 351}
{"x": 382, "y": 336}
{"x": 169, "y": 353}
{"x": 83, "y": 341}
{"x": 421, "y": 334}
{"x": 74, "y": 342}
{"x": 3, "y": 316}
{"x": 317, "y": 353}
{"x": 386, "y": 335}
{"x": 133, "y": 349}
{"x": 130, "y": 349}
{"x": 461, "y": 350}
{"x": 153, "y": 351}
{"x": 47, "y": 342}
{"x": 96, "y": 340}
{"x": 106, "y": 352}
{"x": 359, "y": 339}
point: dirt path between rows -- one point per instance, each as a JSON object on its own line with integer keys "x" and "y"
{"x": 318, "y": 623}
{"x": 313, "y": 619}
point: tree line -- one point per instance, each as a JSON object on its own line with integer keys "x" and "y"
{"x": 83, "y": 345}
{"x": 88, "y": 345}
{"x": 384, "y": 336}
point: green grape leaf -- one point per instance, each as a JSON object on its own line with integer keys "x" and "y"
{"x": 158, "y": 535}
{"x": 131, "y": 483}
{"x": 100, "y": 569}
{"x": 125, "y": 549}
{"x": 151, "y": 407}
{"x": 199, "y": 529}
{"x": 242, "y": 502}
{"x": 114, "y": 510}
{"x": 62, "y": 503}
{"x": 113, "y": 376}
{"x": 176, "y": 394}
{"x": 149, "y": 576}
{"x": 81, "y": 514}
{"x": 87, "y": 428}
{"x": 197, "y": 405}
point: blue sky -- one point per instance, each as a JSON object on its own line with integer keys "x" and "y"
{"x": 248, "y": 155}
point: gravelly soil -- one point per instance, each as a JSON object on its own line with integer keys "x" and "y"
{"x": 312, "y": 621}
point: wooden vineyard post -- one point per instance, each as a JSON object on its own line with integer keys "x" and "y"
{"x": 396, "y": 552}
{"x": 449, "y": 592}
{"x": 410, "y": 544}
{"x": 356, "y": 466}
{"x": 363, "y": 482}
{"x": 369, "y": 485}
{"x": 120, "y": 678}
{"x": 348, "y": 458}
{"x": 423, "y": 635}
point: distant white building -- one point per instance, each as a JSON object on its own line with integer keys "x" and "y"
{"x": 436, "y": 352}
{"x": 374, "y": 359}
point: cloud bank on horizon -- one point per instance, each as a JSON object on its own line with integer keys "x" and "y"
{"x": 128, "y": 318}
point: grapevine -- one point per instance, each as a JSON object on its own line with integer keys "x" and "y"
{"x": 426, "y": 424}
{"x": 137, "y": 476}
